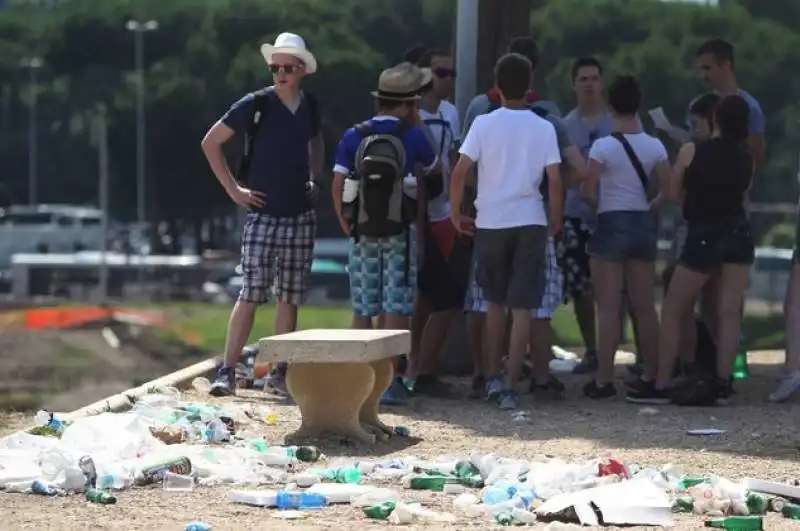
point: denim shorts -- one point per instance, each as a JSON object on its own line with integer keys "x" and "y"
{"x": 710, "y": 246}
{"x": 625, "y": 235}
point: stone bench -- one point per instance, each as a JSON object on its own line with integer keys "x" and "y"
{"x": 337, "y": 377}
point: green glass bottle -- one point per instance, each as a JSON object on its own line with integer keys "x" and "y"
{"x": 683, "y": 504}
{"x": 757, "y": 503}
{"x": 737, "y": 523}
{"x": 380, "y": 511}
{"x": 741, "y": 371}
{"x": 434, "y": 483}
{"x": 100, "y": 496}
{"x": 791, "y": 511}
{"x": 308, "y": 454}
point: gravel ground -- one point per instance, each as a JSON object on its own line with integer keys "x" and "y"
{"x": 761, "y": 441}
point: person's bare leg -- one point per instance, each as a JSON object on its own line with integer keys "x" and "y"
{"x": 495, "y": 338}
{"x": 418, "y": 323}
{"x": 688, "y": 340}
{"x": 285, "y": 317}
{"x": 733, "y": 284}
{"x": 790, "y": 382}
{"x": 709, "y": 302}
{"x": 608, "y": 283}
{"x": 792, "y": 311}
{"x": 361, "y": 322}
{"x": 434, "y": 335}
{"x": 681, "y": 296}
{"x": 474, "y": 323}
{"x": 240, "y": 324}
{"x": 640, "y": 278}
{"x": 541, "y": 347}
{"x": 517, "y": 345}
{"x": 585, "y": 315}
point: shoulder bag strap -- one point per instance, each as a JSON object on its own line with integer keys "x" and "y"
{"x": 637, "y": 164}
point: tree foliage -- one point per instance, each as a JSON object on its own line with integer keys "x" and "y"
{"x": 205, "y": 55}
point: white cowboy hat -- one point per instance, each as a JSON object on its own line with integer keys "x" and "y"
{"x": 401, "y": 82}
{"x": 290, "y": 44}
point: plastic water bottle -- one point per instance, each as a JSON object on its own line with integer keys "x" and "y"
{"x": 741, "y": 370}
{"x": 45, "y": 418}
{"x": 497, "y": 494}
{"x": 300, "y": 500}
{"x": 197, "y": 526}
{"x": 40, "y": 487}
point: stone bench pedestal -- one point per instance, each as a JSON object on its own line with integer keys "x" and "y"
{"x": 337, "y": 377}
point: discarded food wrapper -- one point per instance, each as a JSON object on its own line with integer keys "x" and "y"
{"x": 705, "y": 431}
{"x": 168, "y": 434}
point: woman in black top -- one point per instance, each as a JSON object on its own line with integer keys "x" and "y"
{"x": 714, "y": 177}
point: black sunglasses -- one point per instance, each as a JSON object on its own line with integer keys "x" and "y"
{"x": 288, "y": 69}
{"x": 444, "y": 72}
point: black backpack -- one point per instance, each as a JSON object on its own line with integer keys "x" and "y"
{"x": 542, "y": 113}
{"x": 380, "y": 163}
{"x": 261, "y": 104}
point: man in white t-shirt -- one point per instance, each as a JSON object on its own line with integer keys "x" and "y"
{"x": 513, "y": 148}
{"x": 442, "y": 279}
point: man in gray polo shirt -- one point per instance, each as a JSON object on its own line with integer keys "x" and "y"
{"x": 587, "y": 122}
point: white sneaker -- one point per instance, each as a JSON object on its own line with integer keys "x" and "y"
{"x": 790, "y": 384}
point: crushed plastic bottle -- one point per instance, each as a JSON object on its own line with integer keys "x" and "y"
{"x": 40, "y": 487}
{"x": 299, "y": 500}
{"x": 47, "y": 419}
{"x": 341, "y": 475}
{"x": 380, "y": 511}
{"x": 202, "y": 385}
{"x": 197, "y": 526}
{"x": 791, "y": 511}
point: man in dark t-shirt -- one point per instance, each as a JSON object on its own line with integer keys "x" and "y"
{"x": 278, "y": 238}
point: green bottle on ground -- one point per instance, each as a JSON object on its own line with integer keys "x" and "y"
{"x": 791, "y": 511}
{"x": 741, "y": 370}
{"x": 380, "y": 511}
{"x": 434, "y": 483}
{"x": 100, "y": 496}
{"x": 757, "y": 503}
{"x": 737, "y": 523}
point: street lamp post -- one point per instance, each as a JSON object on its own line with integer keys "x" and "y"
{"x": 33, "y": 65}
{"x": 139, "y": 29}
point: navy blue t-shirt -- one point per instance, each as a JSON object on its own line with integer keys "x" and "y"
{"x": 279, "y": 166}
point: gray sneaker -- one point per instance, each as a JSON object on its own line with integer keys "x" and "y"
{"x": 225, "y": 383}
{"x": 789, "y": 385}
{"x": 494, "y": 387}
{"x": 508, "y": 400}
{"x": 276, "y": 381}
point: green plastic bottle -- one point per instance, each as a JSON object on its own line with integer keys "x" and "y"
{"x": 791, "y": 511}
{"x": 741, "y": 371}
{"x": 504, "y": 519}
{"x": 380, "y": 511}
{"x": 737, "y": 523}
{"x": 465, "y": 469}
{"x": 99, "y": 496}
{"x": 307, "y": 454}
{"x": 691, "y": 481}
{"x": 340, "y": 475}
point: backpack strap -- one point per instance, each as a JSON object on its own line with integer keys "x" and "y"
{"x": 637, "y": 164}
{"x": 260, "y": 106}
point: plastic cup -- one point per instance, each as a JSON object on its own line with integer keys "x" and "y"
{"x": 178, "y": 482}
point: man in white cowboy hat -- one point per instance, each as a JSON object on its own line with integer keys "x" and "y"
{"x": 275, "y": 183}
{"x": 382, "y": 262}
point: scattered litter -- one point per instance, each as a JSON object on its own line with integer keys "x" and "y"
{"x": 183, "y": 446}
{"x": 705, "y": 431}
{"x": 521, "y": 417}
{"x": 648, "y": 411}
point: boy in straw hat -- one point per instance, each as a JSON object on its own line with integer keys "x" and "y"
{"x": 278, "y": 238}
{"x": 382, "y": 270}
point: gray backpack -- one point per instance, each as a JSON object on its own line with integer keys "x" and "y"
{"x": 380, "y": 166}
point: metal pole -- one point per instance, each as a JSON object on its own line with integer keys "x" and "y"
{"x": 102, "y": 163}
{"x": 140, "y": 126}
{"x": 466, "y": 53}
{"x": 33, "y": 136}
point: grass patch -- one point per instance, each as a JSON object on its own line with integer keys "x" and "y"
{"x": 210, "y": 323}
{"x": 73, "y": 358}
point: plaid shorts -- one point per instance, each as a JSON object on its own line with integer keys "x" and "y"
{"x": 551, "y": 300}
{"x": 383, "y": 275}
{"x": 276, "y": 255}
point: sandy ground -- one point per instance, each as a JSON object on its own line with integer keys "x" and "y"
{"x": 761, "y": 441}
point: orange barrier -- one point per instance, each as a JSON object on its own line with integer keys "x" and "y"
{"x": 70, "y": 317}
{"x": 43, "y": 318}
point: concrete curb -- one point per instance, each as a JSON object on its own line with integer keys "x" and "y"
{"x": 121, "y": 401}
{"x": 124, "y": 399}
